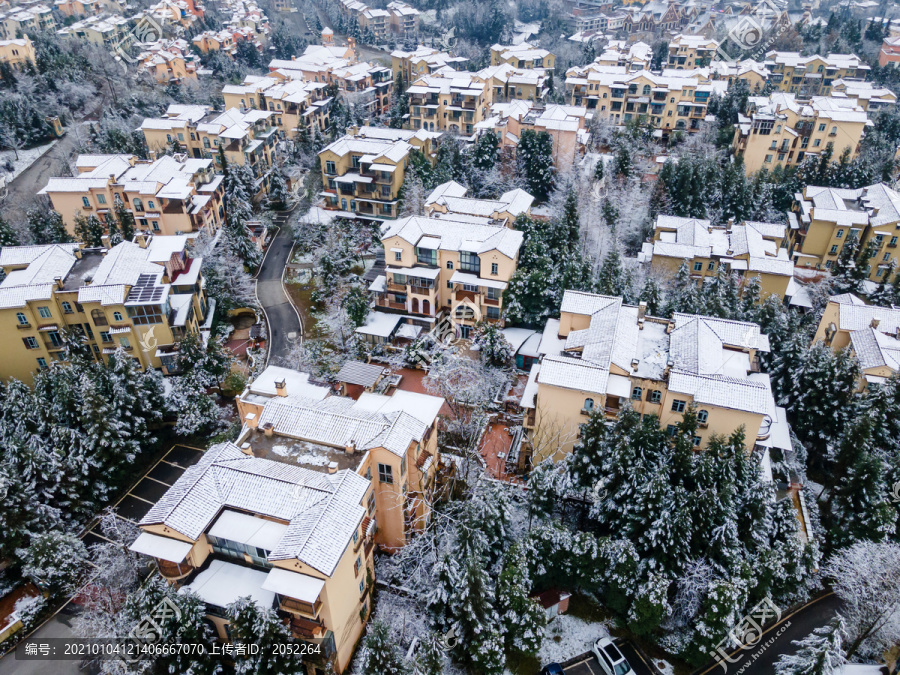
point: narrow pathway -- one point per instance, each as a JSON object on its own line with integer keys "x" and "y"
{"x": 282, "y": 318}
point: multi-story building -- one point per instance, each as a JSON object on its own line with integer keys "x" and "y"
{"x": 291, "y": 538}
{"x": 88, "y": 7}
{"x": 404, "y": 20}
{"x": 22, "y": 20}
{"x": 103, "y": 31}
{"x": 215, "y": 41}
{"x": 450, "y": 198}
{"x": 448, "y": 263}
{"x": 871, "y": 333}
{"x": 363, "y": 171}
{"x": 889, "y": 55}
{"x": 867, "y": 96}
{"x": 391, "y": 441}
{"x": 522, "y": 56}
{"x": 823, "y": 219}
{"x": 245, "y": 138}
{"x": 633, "y": 57}
{"x": 669, "y": 102}
{"x": 691, "y": 51}
{"x": 566, "y": 124}
{"x": 780, "y": 130}
{"x": 376, "y": 21}
{"x": 422, "y": 61}
{"x": 749, "y": 249}
{"x": 298, "y": 106}
{"x": 169, "y": 61}
{"x": 507, "y": 83}
{"x": 814, "y": 75}
{"x": 448, "y": 100}
{"x": 602, "y": 354}
{"x": 17, "y": 53}
{"x": 141, "y": 297}
{"x": 170, "y": 195}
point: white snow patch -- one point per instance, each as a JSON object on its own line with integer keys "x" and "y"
{"x": 26, "y": 159}
{"x": 665, "y": 667}
{"x": 568, "y": 636}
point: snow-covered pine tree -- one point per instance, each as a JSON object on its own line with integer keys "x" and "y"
{"x": 441, "y": 600}
{"x": 429, "y": 656}
{"x": 381, "y": 655}
{"x": 819, "y": 653}
{"x": 46, "y": 226}
{"x": 55, "y": 561}
{"x": 251, "y": 624}
{"x": 494, "y": 348}
{"x": 8, "y": 236}
{"x": 486, "y": 151}
{"x": 534, "y": 163}
{"x": 89, "y": 229}
{"x": 652, "y": 295}
{"x": 522, "y": 617}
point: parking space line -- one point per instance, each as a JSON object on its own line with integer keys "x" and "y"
{"x": 155, "y": 480}
{"x": 146, "y": 501}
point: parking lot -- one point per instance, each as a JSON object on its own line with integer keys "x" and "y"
{"x": 586, "y": 664}
{"x": 144, "y": 494}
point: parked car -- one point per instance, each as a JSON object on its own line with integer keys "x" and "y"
{"x": 610, "y": 658}
{"x": 552, "y": 669}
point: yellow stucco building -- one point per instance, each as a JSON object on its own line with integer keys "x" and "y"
{"x": 602, "y": 354}
{"x": 812, "y": 75}
{"x": 142, "y": 297}
{"x": 17, "y": 53}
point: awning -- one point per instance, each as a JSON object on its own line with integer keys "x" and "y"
{"x": 161, "y": 547}
{"x": 472, "y": 280}
{"x": 48, "y": 327}
{"x": 353, "y": 178}
{"x": 617, "y": 385}
{"x": 294, "y": 585}
{"x": 418, "y": 272}
{"x": 246, "y": 529}
{"x": 430, "y": 243}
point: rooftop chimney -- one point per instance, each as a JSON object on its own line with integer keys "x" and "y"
{"x": 350, "y": 448}
{"x": 642, "y": 312}
{"x": 875, "y": 321}
{"x": 268, "y": 429}
{"x": 246, "y": 449}
{"x": 58, "y": 281}
{"x": 635, "y": 363}
{"x": 332, "y": 467}
{"x": 280, "y": 388}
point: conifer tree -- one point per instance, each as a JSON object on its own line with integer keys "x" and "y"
{"x": 381, "y": 654}
{"x": 522, "y": 617}
{"x": 251, "y": 624}
{"x": 8, "y": 236}
{"x": 89, "y": 230}
{"x": 819, "y": 653}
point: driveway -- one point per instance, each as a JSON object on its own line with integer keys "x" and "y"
{"x": 283, "y": 319}
{"x": 586, "y": 664}
{"x": 778, "y": 639}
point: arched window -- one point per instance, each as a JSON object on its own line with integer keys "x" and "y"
{"x": 588, "y": 404}
{"x": 655, "y": 396}
{"x": 86, "y": 202}
{"x": 23, "y": 320}
{"x": 117, "y": 316}
{"x": 646, "y": 90}
{"x": 138, "y": 204}
{"x": 206, "y": 142}
{"x": 98, "y": 317}
{"x": 636, "y": 394}
{"x": 702, "y": 416}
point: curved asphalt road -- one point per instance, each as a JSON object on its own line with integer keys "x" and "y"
{"x": 283, "y": 319}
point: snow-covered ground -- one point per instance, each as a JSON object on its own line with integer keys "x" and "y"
{"x": 26, "y": 159}
{"x": 567, "y": 636}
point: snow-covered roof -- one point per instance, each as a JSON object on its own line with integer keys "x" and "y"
{"x": 456, "y": 235}
{"x": 362, "y": 374}
{"x": 321, "y": 511}
{"x": 295, "y": 383}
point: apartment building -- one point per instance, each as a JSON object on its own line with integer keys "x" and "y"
{"x": 507, "y": 83}
{"x": 245, "y": 138}
{"x": 215, "y": 41}
{"x": 889, "y": 54}
{"x": 450, "y": 263}
{"x": 17, "y": 53}
{"x": 87, "y": 7}
{"x": 601, "y": 354}
{"x": 25, "y": 19}
{"x": 523, "y": 56}
{"x": 376, "y": 21}
{"x": 169, "y": 196}
{"x": 691, "y": 51}
{"x": 142, "y": 297}
{"x": 169, "y": 61}
{"x": 298, "y": 106}
{"x": 292, "y": 539}
{"x": 422, "y": 61}
{"x": 566, "y": 124}
{"x": 633, "y": 57}
{"x": 866, "y": 95}
{"x": 808, "y": 76}
{"x": 403, "y": 20}
{"x": 363, "y": 171}
{"x": 103, "y": 31}
{"x": 749, "y": 249}
{"x": 872, "y": 334}
{"x": 391, "y": 441}
{"x": 754, "y": 73}
{"x": 669, "y": 102}
{"x": 450, "y": 198}
{"x": 823, "y": 219}
{"x": 780, "y": 130}
{"x": 448, "y": 100}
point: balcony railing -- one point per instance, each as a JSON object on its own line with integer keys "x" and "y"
{"x": 172, "y": 570}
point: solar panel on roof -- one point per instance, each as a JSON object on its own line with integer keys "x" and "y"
{"x": 146, "y": 290}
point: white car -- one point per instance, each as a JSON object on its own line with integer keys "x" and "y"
{"x": 610, "y": 658}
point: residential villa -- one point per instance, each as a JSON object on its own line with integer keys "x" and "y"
{"x": 522, "y": 56}
{"x": 448, "y": 100}
{"x": 814, "y": 75}
{"x": 602, "y": 354}
{"x": 782, "y": 131}
{"x": 450, "y": 198}
{"x": 299, "y": 107}
{"x": 422, "y": 61}
{"x": 871, "y": 333}
{"x": 750, "y": 249}
{"x": 17, "y": 53}
{"x": 363, "y": 171}
{"x": 169, "y": 195}
{"x": 823, "y": 219}
{"x": 691, "y": 51}
{"x": 142, "y": 297}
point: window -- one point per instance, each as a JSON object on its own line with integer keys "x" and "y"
{"x": 703, "y": 416}
{"x": 402, "y": 466}
{"x": 493, "y": 293}
{"x": 469, "y": 262}
{"x": 697, "y": 441}
{"x": 371, "y": 503}
{"x": 42, "y": 363}
{"x": 588, "y": 404}
{"x": 817, "y": 142}
{"x": 386, "y": 473}
{"x": 23, "y": 320}
{"x": 138, "y": 204}
{"x": 55, "y": 338}
{"x": 125, "y": 343}
{"x": 672, "y": 430}
{"x": 101, "y": 199}
{"x": 398, "y": 255}
{"x": 104, "y": 336}
{"x": 67, "y": 308}
{"x": 839, "y": 235}
{"x": 143, "y": 315}
{"x": 155, "y": 225}
{"x": 86, "y": 202}
{"x": 150, "y": 204}
{"x": 655, "y": 396}
{"x": 98, "y": 317}
{"x": 768, "y": 159}
{"x": 821, "y": 127}
{"x": 30, "y": 343}
{"x": 893, "y": 241}
{"x": 636, "y": 394}
{"x": 833, "y": 250}
{"x": 357, "y": 565}
{"x": 698, "y": 266}
{"x": 493, "y": 312}
{"x": 117, "y": 316}
{"x": 44, "y": 312}
{"x": 362, "y": 587}
{"x": 495, "y": 269}
{"x": 711, "y": 266}
{"x": 678, "y": 405}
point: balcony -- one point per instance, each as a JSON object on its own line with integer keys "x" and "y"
{"x": 306, "y": 629}
{"x": 296, "y": 606}
{"x": 174, "y": 571}
{"x": 470, "y": 296}
{"x": 398, "y": 288}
